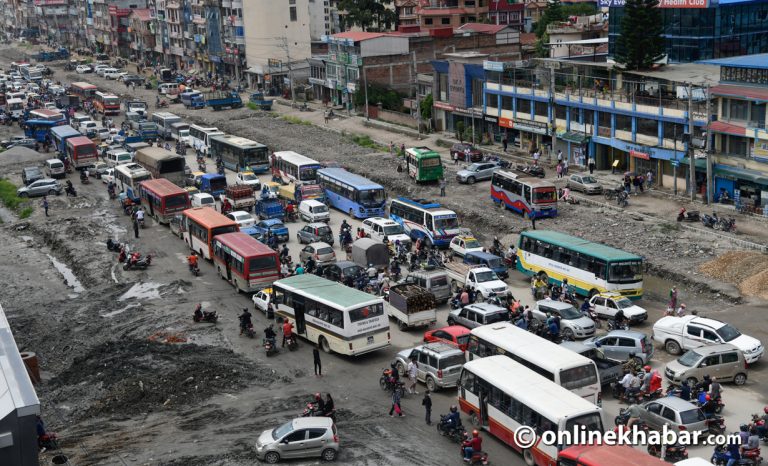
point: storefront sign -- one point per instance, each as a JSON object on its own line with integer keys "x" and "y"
{"x": 505, "y": 123}
{"x": 457, "y": 85}
{"x": 351, "y": 87}
{"x": 639, "y": 155}
{"x": 467, "y": 112}
{"x": 638, "y": 150}
{"x": 499, "y": 66}
{"x": 319, "y": 82}
{"x": 760, "y": 151}
{"x": 530, "y": 126}
{"x": 444, "y": 106}
{"x": 491, "y": 119}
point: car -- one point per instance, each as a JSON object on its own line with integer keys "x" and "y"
{"x": 275, "y": 227}
{"x": 57, "y": 90}
{"x": 675, "y": 413}
{"x": 89, "y": 128}
{"x": 114, "y": 74}
{"x": 573, "y": 324}
{"x": 100, "y": 66}
{"x": 17, "y": 86}
{"x": 725, "y": 362}
{"x": 438, "y": 365}
{"x": 259, "y": 234}
{"x": 193, "y": 179}
{"x": 83, "y": 69}
{"x": 50, "y": 106}
{"x": 44, "y": 187}
{"x": 608, "y": 304}
{"x": 25, "y": 142}
{"x": 108, "y": 175}
{"x": 475, "y": 315}
{"x": 462, "y": 244}
{"x": 31, "y": 174}
{"x": 584, "y": 183}
{"x": 103, "y": 71}
{"x": 379, "y": 227}
{"x": 321, "y": 252}
{"x": 131, "y": 78}
{"x": 242, "y": 218}
{"x": 678, "y": 334}
{"x": 460, "y": 149}
{"x": 102, "y": 134}
{"x": 476, "y": 172}
{"x": 340, "y": 270}
{"x": 313, "y": 232}
{"x": 618, "y": 344}
{"x": 98, "y": 169}
{"x": 248, "y": 179}
{"x": 34, "y": 88}
{"x": 456, "y": 335}
{"x": 261, "y": 299}
{"x": 304, "y": 437}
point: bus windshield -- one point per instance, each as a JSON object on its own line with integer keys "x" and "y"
{"x": 176, "y": 201}
{"x": 308, "y": 173}
{"x": 624, "y": 272}
{"x": 371, "y": 197}
{"x": 446, "y": 223}
{"x": 218, "y": 184}
{"x": 544, "y": 195}
{"x": 591, "y": 423}
{"x": 222, "y": 230}
{"x": 577, "y": 377}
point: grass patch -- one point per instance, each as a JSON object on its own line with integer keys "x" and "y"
{"x": 252, "y": 106}
{"x": 296, "y": 120}
{"x": 9, "y": 198}
{"x": 364, "y": 140}
{"x": 26, "y": 212}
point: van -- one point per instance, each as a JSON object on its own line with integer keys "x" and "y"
{"x": 314, "y": 211}
{"x": 725, "y": 362}
{"x": 30, "y": 175}
{"x": 168, "y": 88}
{"x": 434, "y": 281}
{"x": 203, "y": 200}
{"x": 54, "y": 168}
{"x": 117, "y": 157}
{"x": 79, "y": 118}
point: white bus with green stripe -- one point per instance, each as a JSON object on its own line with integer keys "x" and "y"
{"x": 589, "y": 267}
{"x": 338, "y": 318}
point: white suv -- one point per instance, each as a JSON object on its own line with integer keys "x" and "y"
{"x": 378, "y": 227}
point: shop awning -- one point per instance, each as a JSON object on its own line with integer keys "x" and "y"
{"x": 572, "y": 136}
{"x": 727, "y": 128}
{"x": 741, "y": 173}
{"x": 699, "y": 163}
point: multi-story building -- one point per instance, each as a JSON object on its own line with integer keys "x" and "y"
{"x": 52, "y": 17}
{"x": 701, "y": 30}
{"x": 570, "y": 39}
{"x": 101, "y": 26}
{"x": 20, "y": 19}
{"x": 119, "y": 24}
{"x": 406, "y": 12}
{"x": 451, "y": 13}
{"x": 142, "y": 27}
{"x": 507, "y": 13}
{"x": 234, "y": 37}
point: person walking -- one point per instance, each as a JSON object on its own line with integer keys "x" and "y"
{"x": 532, "y": 216}
{"x": 565, "y": 167}
{"x": 396, "y": 408}
{"x": 559, "y": 170}
{"x": 442, "y": 186}
{"x": 136, "y": 227}
{"x": 427, "y": 403}
{"x": 318, "y": 364}
{"x": 413, "y": 370}
{"x": 673, "y": 298}
{"x": 649, "y": 179}
{"x": 455, "y": 158}
{"x": 559, "y": 156}
{"x": 402, "y": 149}
{"x": 391, "y": 148}
{"x": 45, "y": 205}
{"x": 505, "y": 142}
{"x": 591, "y": 165}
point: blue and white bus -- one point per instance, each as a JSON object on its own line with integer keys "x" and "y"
{"x": 425, "y": 219}
{"x": 353, "y": 194}
{"x": 240, "y": 154}
{"x": 60, "y": 134}
{"x": 295, "y": 168}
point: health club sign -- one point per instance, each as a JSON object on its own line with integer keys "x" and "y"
{"x": 662, "y": 3}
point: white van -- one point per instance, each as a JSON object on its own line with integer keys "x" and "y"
{"x": 117, "y": 157}
{"x": 168, "y": 88}
{"x": 54, "y": 168}
{"x": 15, "y": 108}
{"x": 79, "y": 118}
{"x": 203, "y": 200}
{"x": 314, "y": 211}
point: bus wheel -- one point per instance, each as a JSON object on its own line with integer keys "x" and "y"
{"x": 528, "y": 457}
{"x": 324, "y": 345}
{"x": 237, "y": 287}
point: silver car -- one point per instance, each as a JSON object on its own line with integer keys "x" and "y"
{"x": 438, "y": 364}
{"x": 321, "y": 252}
{"x": 313, "y": 232}
{"x": 619, "y": 344}
{"x": 476, "y": 172}
{"x": 475, "y": 315}
{"x": 573, "y": 323}
{"x": 584, "y": 183}
{"x": 676, "y": 412}
{"x": 305, "y": 437}
{"x": 44, "y": 187}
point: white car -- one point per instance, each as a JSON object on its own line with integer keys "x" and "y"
{"x": 109, "y": 175}
{"x": 82, "y": 69}
{"x": 57, "y": 90}
{"x": 261, "y": 300}
{"x": 242, "y": 218}
{"x": 248, "y": 179}
{"x": 462, "y": 244}
{"x": 379, "y": 227}
{"x": 50, "y": 106}
{"x": 32, "y": 87}
{"x": 100, "y": 67}
{"x": 103, "y": 71}
{"x": 114, "y": 73}
{"x": 608, "y": 304}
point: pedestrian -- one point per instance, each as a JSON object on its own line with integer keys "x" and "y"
{"x": 396, "y": 404}
{"x": 649, "y": 179}
{"x": 532, "y": 216}
{"x": 455, "y": 158}
{"x": 467, "y": 155}
{"x": 559, "y": 169}
{"x": 641, "y": 183}
{"x": 45, "y": 205}
{"x": 565, "y": 167}
{"x": 391, "y": 148}
{"x": 559, "y": 156}
{"x": 673, "y": 297}
{"x": 442, "y": 186}
{"x": 318, "y": 364}
{"x": 136, "y": 227}
{"x": 325, "y": 116}
{"x": 413, "y": 370}
{"x": 402, "y": 149}
{"x": 536, "y": 156}
{"x": 505, "y": 142}
{"x": 591, "y": 165}
{"x": 427, "y": 403}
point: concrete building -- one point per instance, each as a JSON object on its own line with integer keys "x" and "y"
{"x": 570, "y": 39}
{"x": 119, "y": 24}
{"x": 406, "y": 12}
{"x": 504, "y": 12}
{"x": 233, "y": 60}
{"x": 142, "y": 31}
{"x": 431, "y": 14}
{"x": 52, "y": 17}
{"x": 458, "y": 90}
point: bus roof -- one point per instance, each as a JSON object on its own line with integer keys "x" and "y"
{"x": 295, "y": 157}
{"x": 529, "y": 180}
{"x": 599, "y": 455}
{"x": 344, "y": 176}
{"x": 236, "y": 140}
{"x": 327, "y": 290}
{"x": 244, "y": 244}
{"x": 423, "y": 151}
{"x": 581, "y": 245}
{"x": 163, "y": 187}
{"x": 132, "y": 169}
{"x": 44, "y": 112}
{"x": 425, "y": 204}
{"x": 551, "y": 400}
{"x": 64, "y": 131}
{"x": 79, "y": 141}
{"x": 165, "y": 115}
{"x": 209, "y": 217}
{"x": 83, "y": 85}
{"x": 529, "y": 346}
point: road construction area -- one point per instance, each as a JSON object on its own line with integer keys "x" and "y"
{"x": 130, "y": 379}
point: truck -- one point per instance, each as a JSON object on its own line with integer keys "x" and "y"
{"x": 240, "y": 196}
{"x": 679, "y": 334}
{"x": 366, "y": 251}
{"x": 192, "y": 99}
{"x": 146, "y": 130}
{"x": 180, "y": 132}
{"x": 411, "y": 306}
{"x": 302, "y": 192}
{"x": 260, "y": 100}
{"x": 269, "y": 208}
{"x": 166, "y": 75}
{"x": 137, "y": 106}
{"x": 610, "y": 370}
{"x": 220, "y": 99}
{"x": 213, "y": 184}
{"x": 478, "y": 278}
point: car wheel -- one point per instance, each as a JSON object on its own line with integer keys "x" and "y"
{"x": 672, "y": 347}
{"x": 272, "y": 457}
{"x": 451, "y": 322}
{"x": 329, "y": 454}
{"x": 400, "y": 367}
{"x": 431, "y": 384}
{"x": 691, "y": 381}
{"x": 568, "y": 334}
{"x": 471, "y": 180}
{"x": 740, "y": 379}
{"x": 51, "y": 192}
{"x": 24, "y": 194}
{"x": 639, "y": 362}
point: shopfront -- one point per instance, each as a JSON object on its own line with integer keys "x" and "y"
{"x": 632, "y": 157}
{"x": 529, "y": 135}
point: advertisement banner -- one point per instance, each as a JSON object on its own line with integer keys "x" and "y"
{"x": 457, "y": 85}
{"x": 530, "y": 126}
{"x": 639, "y": 155}
{"x": 506, "y": 123}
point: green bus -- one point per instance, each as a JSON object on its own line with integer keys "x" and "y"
{"x": 589, "y": 267}
{"x": 424, "y": 164}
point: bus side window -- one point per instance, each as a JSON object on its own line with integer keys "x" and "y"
{"x": 468, "y": 382}
{"x": 473, "y": 346}
{"x": 428, "y": 222}
{"x": 527, "y": 190}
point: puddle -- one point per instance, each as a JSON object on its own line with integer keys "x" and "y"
{"x": 27, "y": 238}
{"x": 69, "y": 277}
{"x": 120, "y": 311}
{"x": 142, "y": 291}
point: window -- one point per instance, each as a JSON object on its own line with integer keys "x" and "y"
{"x": 292, "y": 12}
{"x": 468, "y": 381}
{"x": 623, "y": 123}
{"x": 710, "y": 361}
{"x": 524, "y": 107}
{"x": 710, "y": 335}
{"x": 506, "y": 102}
{"x": 694, "y": 331}
{"x": 541, "y": 109}
{"x": 366, "y": 312}
{"x": 730, "y": 358}
{"x": 737, "y": 109}
{"x": 669, "y": 414}
{"x": 297, "y": 436}
{"x": 316, "y": 433}
{"x": 654, "y": 408}
{"x": 648, "y": 127}
{"x": 445, "y": 21}
{"x": 428, "y": 21}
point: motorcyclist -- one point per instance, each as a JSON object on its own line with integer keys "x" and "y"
{"x": 329, "y": 405}
{"x": 619, "y": 319}
{"x": 631, "y": 363}
{"x": 192, "y": 261}
{"x": 685, "y": 391}
{"x": 319, "y": 404}
{"x": 284, "y": 253}
{"x": 140, "y": 215}
{"x": 270, "y": 335}
{"x": 198, "y": 313}
{"x": 245, "y": 321}
{"x": 344, "y": 226}
{"x": 475, "y": 444}
{"x": 753, "y": 441}
{"x": 452, "y": 420}
{"x": 310, "y": 265}
{"x": 654, "y": 384}
{"x": 709, "y": 407}
{"x": 287, "y": 331}
{"x": 704, "y": 384}
{"x": 289, "y": 210}
{"x": 496, "y": 244}
{"x": 395, "y": 270}
{"x": 372, "y": 272}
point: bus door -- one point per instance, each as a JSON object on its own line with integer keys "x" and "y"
{"x": 298, "y": 312}
{"x": 151, "y": 203}
{"x": 483, "y": 417}
{"x": 228, "y": 266}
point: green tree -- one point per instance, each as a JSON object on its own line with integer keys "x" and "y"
{"x": 542, "y": 49}
{"x": 459, "y": 129}
{"x": 579, "y": 9}
{"x": 425, "y": 108}
{"x": 369, "y": 15}
{"x": 640, "y": 43}
{"x": 389, "y": 99}
{"x": 552, "y": 13}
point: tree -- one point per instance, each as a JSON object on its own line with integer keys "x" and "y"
{"x": 552, "y": 14}
{"x": 367, "y": 14}
{"x": 640, "y": 44}
{"x": 425, "y": 108}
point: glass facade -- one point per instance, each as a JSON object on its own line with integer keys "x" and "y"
{"x": 693, "y": 34}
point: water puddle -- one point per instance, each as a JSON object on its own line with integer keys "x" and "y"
{"x": 120, "y": 311}
{"x": 142, "y": 291}
{"x": 69, "y": 277}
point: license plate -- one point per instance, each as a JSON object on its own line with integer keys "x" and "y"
{"x": 370, "y": 340}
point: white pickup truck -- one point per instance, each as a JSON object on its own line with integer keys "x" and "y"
{"x": 678, "y": 334}
{"x": 481, "y": 279}
{"x": 411, "y": 306}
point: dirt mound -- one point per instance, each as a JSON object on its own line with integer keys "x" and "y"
{"x": 747, "y": 270}
{"x": 134, "y": 376}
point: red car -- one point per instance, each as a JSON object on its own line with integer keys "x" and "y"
{"x": 475, "y": 155}
{"x": 453, "y": 334}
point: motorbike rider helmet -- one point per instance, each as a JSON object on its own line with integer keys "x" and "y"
{"x": 454, "y": 408}
{"x": 475, "y": 433}
{"x": 707, "y": 397}
{"x": 647, "y": 368}
{"x": 706, "y": 377}
{"x": 631, "y": 355}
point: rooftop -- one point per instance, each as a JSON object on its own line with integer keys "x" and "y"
{"x": 759, "y": 61}
{"x": 358, "y": 36}
{"x": 747, "y": 92}
{"x": 482, "y": 28}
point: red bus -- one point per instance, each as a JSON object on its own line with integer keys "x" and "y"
{"x": 200, "y": 224}
{"x": 106, "y": 103}
{"x": 81, "y": 152}
{"x": 604, "y": 455}
{"x": 47, "y": 115}
{"x": 163, "y": 199}
{"x": 245, "y": 262}
{"x": 83, "y": 90}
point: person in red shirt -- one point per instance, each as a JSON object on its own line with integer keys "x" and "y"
{"x": 287, "y": 331}
{"x": 655, "y": 382}
{"x": 472, "y": 445}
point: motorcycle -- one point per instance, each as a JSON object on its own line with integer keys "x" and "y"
{"x": 69, "y": 190}
{"x": 270, "y": 346}
{"x": 114, "y": 245}
{"x": 454, "y": 433}
{"x": 195, "y": 269}
{"x": 672, "y": 454}
{"x": 111, "y": 193}
{"x": 162, "y": 104}
{"x": 716, "y": 425}
{"x": 205, "y": 316}
{"x": 477, "y": 457}
{"x": 612, "y": 325}
{"x": 709, "y": 221}
{"x": 313, "y": 410}
{"x": 138, "y": 262}
{"x": 725, "y": 224}
{"x": 141, "y": 223}
{"x": 247, "y": 329}
{"x": 720, "y": 457}
{"x": 688, "y": 216}
{"x": 386, "y": 382}
{"x": 293, "y": 345}
{"x": 84, "y": 178}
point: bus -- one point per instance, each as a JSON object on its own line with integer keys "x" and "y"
{"x": 30, "y": 74}
{"x": 40, "y": 130}
{"x": 162, "y": 163}
{"x": 47, "y": 115}
{"x": 608, "y": 455}
{"x": 128, "y": 176}
{"x": 562, "y": 366}
{"x": 336, "y": 317}
{"x": 353, "y": 194}
{"x": 245, "y": 262}
{"x": 240, "y": 154}
{"x": 296, "y": 168}
{"x": 199, "y": 225}
{"x": 501, "y": 395}
{"x": 590, "y": 268}
{"x": 83, "y": 90}
{"x": 164, "y": 121}
{"x": 108, "y": 104}
{"x": 423, "y": 164}
{"x": 81, "y": 152}
{"x": 199, "y": 137}
{"x": 15, "y": 108}
{"x": 60, "y": 134}
{"x": 532, "y": 197}
{"x": 163, "y": 199}
{"x": 425, "y": 219}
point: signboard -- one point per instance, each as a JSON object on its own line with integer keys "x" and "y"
{"x": 662, "y": 3}
{"x": 578, "y": 127}
{"x": 499, "y": 66}
{"x": 320, "y": 82}
{"x": 50, "y": 2}
{"x": 444, "y": 106}
{"x": 530, "y": 126}
{"x": 457, "y": 85}
{"x": 639, "y": 155}
{"x": 505, "y": 123}
{"x": 274, "y": 63}
{"x": 491, "y": 119}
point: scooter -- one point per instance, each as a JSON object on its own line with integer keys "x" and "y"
{"x": 709, "y": 221}
{"x": 195, "y": 269}
{"x": 454, "y": 433}
{"x": 688, "y": 216}
{"x": 387, "y": 383}
{"x": 477, "y": 457}
{"x": 672, "y": 454}
{"x": 247, "y": 329}
{"x": 612, "y": 325}
{"x": 138, "y": 262}
{"x": 293, "y": 345}
{"x": 720, "y": 457}
{"x": 205, "y": 316}
{"x": 70, "y": 190}
{"x": 725, "y": 224}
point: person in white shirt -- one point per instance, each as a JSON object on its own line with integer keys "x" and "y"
{"x": 140, "y": 215}
{"x": 412, "y": 371}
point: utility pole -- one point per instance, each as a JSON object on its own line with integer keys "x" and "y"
{"x": 691, "y": 150}
{"x": 416, "y": 93}
{"x": 553, "y": 115}
{"x": 707, "y": 149}
{"x": 365, "y": 83}
{"x": 290, "y": 67}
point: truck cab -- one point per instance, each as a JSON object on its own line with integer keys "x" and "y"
{"x": 485, "y": 281}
